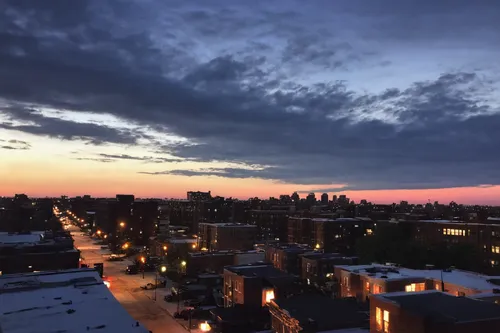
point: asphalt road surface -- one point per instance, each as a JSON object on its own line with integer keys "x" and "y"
{"x": 126, "y": 288}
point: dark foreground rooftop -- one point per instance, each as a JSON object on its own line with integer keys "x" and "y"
{"x": 443, "y": 307}
{"x": 326, "y": 313}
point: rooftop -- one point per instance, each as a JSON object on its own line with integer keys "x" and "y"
{"x": 182, "y": 240}
{"x": 326, "y": 256}
{"x": 261, "y": 270}
{"x": 443, "y": 307}
{"x": 471, "y": 280}
{"x": 61, "y": 301}
{"x": 318, "y": 309}
{"x": 225, "y": 225}
{"x": 32, "y": 237}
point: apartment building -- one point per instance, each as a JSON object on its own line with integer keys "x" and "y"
{"x": 361, "y": 281}
{"x": 431, "y": 312}
{"x": 254, "y": 286}
{"x": 226, "y": 236}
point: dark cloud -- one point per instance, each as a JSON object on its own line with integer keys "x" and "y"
{"x": 35, "y": 123}
{"x": 236, "y": 105}
{"x": 148, "y": 159}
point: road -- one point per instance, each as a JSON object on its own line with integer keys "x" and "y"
{"x": 126, "y": 288}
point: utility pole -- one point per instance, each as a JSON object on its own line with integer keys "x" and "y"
{"x": 156, "y": 283}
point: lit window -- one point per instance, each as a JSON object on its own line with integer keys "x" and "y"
{"x": 415, "y": 287}
{"x": 494, "y": 263}
{"x": 367, "y": 286}
{"x": 382, "y": 320}
{"x": 386, "y": 321}
{"x": 369, "y": 231}
{"x": 269, "y": 295}
{"x": 495, "y": 249}
{"x": 377, "y": 289}
{"x": 378, "y": 318}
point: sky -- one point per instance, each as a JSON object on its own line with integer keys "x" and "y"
{"x": 382, "y": 100}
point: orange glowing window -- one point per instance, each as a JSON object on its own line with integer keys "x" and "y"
{"x": 269, "y": 295}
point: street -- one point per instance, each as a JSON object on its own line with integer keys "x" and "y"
{"x": 126, "y": 288}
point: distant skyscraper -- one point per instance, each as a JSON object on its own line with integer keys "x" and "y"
{"x": 324, "y": 198}
{"x": 311, "y": 198}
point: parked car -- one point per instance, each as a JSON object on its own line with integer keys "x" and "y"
{"x": 132, "y": 269}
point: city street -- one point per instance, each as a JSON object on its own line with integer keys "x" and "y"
{"x": 126, "y": 288}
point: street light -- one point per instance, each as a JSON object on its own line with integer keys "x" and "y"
{"x": 183, "y": 263}
{"x": 164, "y": 248}
{"x": 99, "y": 232}
{"x": 143, "y": 260}
{"x": 163, "y": 269}
{"x": 122, "y": 224}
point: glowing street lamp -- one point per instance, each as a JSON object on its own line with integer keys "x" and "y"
{"x": 99, "y": 232}
{"x": 122, "y": 224}
{"x": 143, "y": 260}
{"x": 183, "y": 263}
{"x": 205, "y": 327}
{"x": 193, "y": 246}
{"x": 163, "y": 269}
{"x": 125, "y": 246}
{"x": 164, "y": 248}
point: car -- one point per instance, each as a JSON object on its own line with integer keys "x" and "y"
{"x": 131, "y": 269}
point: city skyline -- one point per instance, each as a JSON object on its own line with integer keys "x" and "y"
{"x": 386, "y": 102}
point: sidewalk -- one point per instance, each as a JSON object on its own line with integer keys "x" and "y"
{"x": 171, "y": 307}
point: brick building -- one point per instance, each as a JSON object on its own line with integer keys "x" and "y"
{"x": 37, "y": 251}
{"x": 361, "y": 281}
{"x": 272, "y": 224}
{"x": 431, "y": 312}
{"x": 320, "y": 267}
{"x": 226, "y": 236}
{"x": 286, "y": 257}
{"x": 254, "y": 286}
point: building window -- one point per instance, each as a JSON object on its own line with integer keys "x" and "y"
{"x": 454, "y": 232}
{"x": 494, "y": 263}
{"x": 377, "y": 289}
{"x": 367, "y": 286}
{"x": 495, "y": 249}
{"x": 369, "y": 231}
{"x": 382, "y": 320}
{"x": 415, "y": 287}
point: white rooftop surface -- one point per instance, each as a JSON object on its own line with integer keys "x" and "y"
{"x": 63, "y": 301}
{"x": 182, "y": 240}
{"x": 34, "y": 237}
{"x": 470, "y": 280}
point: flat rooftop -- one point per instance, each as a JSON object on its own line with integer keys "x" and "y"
{"x": 261, "y": 270}
{"x": 31, "y": 238}
{"x": 471, "y": 280}
{"x": 61, "y": 301}
{"x": 227, "y": 225}
{"x": 318, "y": 308}
{"x": 444, "y": 307}
{"x": 326, "y": 256}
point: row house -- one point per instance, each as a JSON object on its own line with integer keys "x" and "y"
{"x": 286, "y": 257}
{"x": 431, "y": 312}
{"x": 361, "y": 281}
